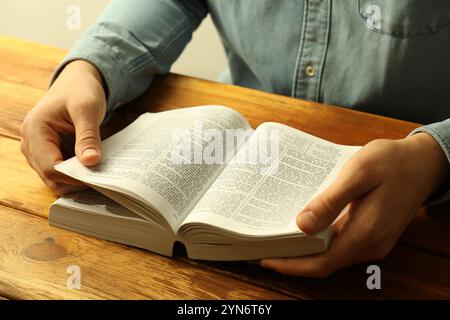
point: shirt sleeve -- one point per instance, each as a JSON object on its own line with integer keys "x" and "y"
{"x": 441, "y": 132}
{"x": 134, "y": 40}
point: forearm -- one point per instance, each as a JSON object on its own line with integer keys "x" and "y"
{"x": 134, "y": 40}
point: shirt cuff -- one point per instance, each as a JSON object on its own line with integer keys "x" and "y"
{"x": 103, "y": 58}
{"x": 440, "y": 131}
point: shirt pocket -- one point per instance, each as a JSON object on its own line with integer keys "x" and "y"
{"x": 405, "y": 18}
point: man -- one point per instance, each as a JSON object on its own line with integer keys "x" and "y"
{"x": 385, "y": 57}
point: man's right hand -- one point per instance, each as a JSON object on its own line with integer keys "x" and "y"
{"x": 75, "y": 105}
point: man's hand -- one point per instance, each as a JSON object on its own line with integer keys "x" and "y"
{"x": 378, "y": 192}
{"x": 74, "y": 105}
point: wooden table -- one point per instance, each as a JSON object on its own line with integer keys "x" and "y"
{"x": 34, "y": 256}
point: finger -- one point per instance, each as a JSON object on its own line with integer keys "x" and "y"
{"x": 354, "y": 242}
{"x": 319, "y": 265}
{"x": 59, "y": 188}
{"x": 55, "y": 177}
{"x": 43, "y": 153}
{"x": 87, "y": 135}
{"x": 353, "y": 181}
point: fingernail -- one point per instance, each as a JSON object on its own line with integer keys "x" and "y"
{"x": 90, "y": 153}
{"x": 308, "y": 220}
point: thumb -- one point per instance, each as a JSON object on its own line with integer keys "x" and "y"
{"x": 350, "y": 184}
{"x": 87, "y": 139}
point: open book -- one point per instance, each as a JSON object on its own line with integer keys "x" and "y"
{"x": 203, "y": 177}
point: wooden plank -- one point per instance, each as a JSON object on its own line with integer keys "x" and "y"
{"x": 25, "y": 71}
{"x": 34, "y": 258}
{"x": 174, "y": 91}
{"x": 28, "y": 63}
{"x": 405, "y": 274}
{"x": 16, "y": 101}
{"x": 20, "y": 186}
{"x": 20, "y": 183}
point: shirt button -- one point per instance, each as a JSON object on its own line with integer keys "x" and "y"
{"x": 310, "y": 71}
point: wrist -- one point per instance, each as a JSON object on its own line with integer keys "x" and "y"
{"x": 84, "y": 68}
{"x": 431, "y": 160}
{"x": 87, "y": 80}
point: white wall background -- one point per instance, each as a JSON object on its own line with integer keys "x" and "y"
{"x": 45, "y": 21}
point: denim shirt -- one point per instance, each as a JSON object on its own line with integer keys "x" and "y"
{"x": 379, "y": 56}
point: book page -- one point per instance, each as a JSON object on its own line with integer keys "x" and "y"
{"x": 250, "y": 197}
{"x": 159, "y": 159}
{"x": 91, "y": 213}
{"x": 93, "y": 201}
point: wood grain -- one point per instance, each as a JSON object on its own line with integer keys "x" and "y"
{"x": 34, "y": 258}
{"x": 25, "y": 71}
{"x": 28, "y": 63}
{"x": 21, "y": 183}
{"x": 20, "y": 186}
{"x": 407, "y": 272}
